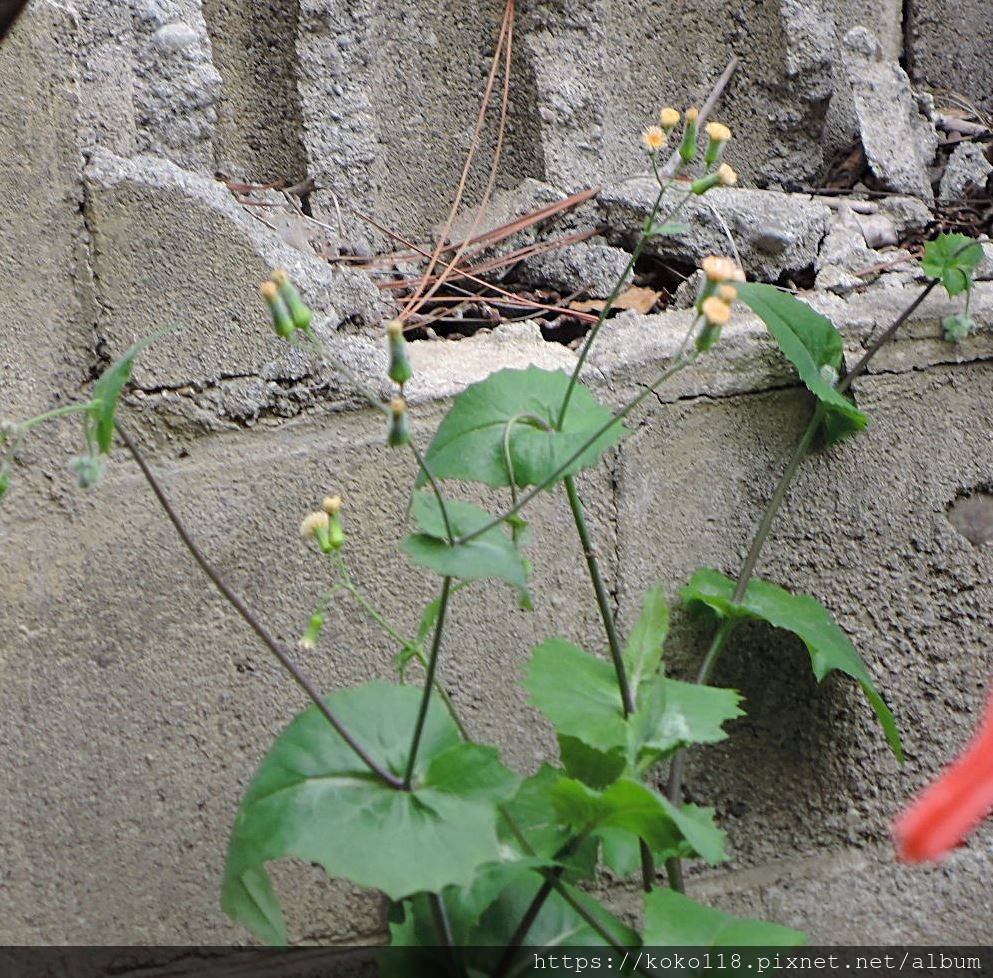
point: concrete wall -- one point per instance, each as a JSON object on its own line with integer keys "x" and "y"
{"x": 135, "y": 708}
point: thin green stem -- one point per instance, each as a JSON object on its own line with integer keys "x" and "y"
{"x": 432, "y": 666}
{"x": 602, "y": 599}
{"x": 24, "y": 426}
{"x": 249, "y": 617}
{"x": 436, "y": 488}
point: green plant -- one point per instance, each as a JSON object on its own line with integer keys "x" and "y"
{"x": 380, "y": 784}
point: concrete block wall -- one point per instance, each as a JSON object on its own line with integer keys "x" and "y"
{"x": 135, "y": 708}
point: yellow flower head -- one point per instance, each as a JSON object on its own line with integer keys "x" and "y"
{"x": 692, "y": 113}
{"x": 331, "y": 505}
{"x": 668, "y": 118}
{"x": 654, "y": 138}
{"x": 718, "y": 132}
{"x": 394, "y": 329}
{"x": 720, "y": 269}
{"x": 313, "y": 522}
{"x": 715, "y": 311}
{"x": 726, "y": 293}
{"x": 726, "y": 176}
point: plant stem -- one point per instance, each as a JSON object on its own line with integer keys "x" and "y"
{"x": 444, "y": 930}
{"x": 674, "y": 788}
{"x": 422, "y": 713}
{"x": 239, "y": 605}
{"x": 53, "y": 414}
{"x": 602, "y": 599}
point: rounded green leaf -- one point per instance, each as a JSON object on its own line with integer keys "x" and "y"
{"x": 516, "y": 410}
{"x": 314, "y": 799}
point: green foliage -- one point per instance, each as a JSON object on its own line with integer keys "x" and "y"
{"x": 673, "y": 920}
{"x": 314, "y": 799}
{"x": 98, "y": 423}
{"x": 518, "y": 409}
{"x": 952, "y": 258}
{"x": 643, "y": 652}
{"x": 957, "y": 326}
{"x": 579, "y": 695}
{"x": 810, "y": 342}
{"x": 491, "y": 554}
{"x": 809, "y": 620}
{"x": 668, "y": 230}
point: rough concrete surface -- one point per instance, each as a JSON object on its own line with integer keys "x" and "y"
{"x": 136, "y": 708}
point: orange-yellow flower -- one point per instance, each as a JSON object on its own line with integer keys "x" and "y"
{"x": 716, "y": 311}
{"x": 654, "y": 138}
{"x": 717, "y": 268}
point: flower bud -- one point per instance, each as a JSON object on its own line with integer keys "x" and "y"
{"x": 718, "y": 269}
{"x": 400, "y": 370}
{"x": 309, "y": 638}
{"x": 331, "y": 505}
{"x": 726, "y": 175}
{"x": 281, "y": 319}
{"x": 715, "y": 311}
{"x": 399, "y": 432}
{"x": 299, "y": 312}
{"x": 726, "y": 293}
{"x": 718, "y": 134}
{"x": 654, "y": 138}
{"x": 668, "y": 119}
{"x": 687, "y": 148}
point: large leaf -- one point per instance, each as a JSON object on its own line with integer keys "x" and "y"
{"x": 314, "y": 799}
{"x": 469, "y": 443}
{"x": 829, "y": 647}
{"x": 674, "y": 920}
{"x": 99, "y": 420}
{"x": 491, "y": 554}
{"x": 809, "y": 341}
{"x": 643, "y": 652}
{"x": 579, "y": 694}
{"x": 634, "y": 807}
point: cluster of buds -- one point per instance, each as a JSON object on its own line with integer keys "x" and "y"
{"x": 288, "y": 311}
{"x": 324, "y": 526}
{"x": 715, "y": 298}
{"x": 655, "y": 137}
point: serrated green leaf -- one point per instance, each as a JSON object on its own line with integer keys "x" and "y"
{"x": 634, "y": 807}
{"x": 952, "y": 258}
{"x": 643, "y": 652}
{"x": 809, "y": 341}
{"x": 99, "y": 419}
{"x": 535, "y": 817}
{"x": 593, "y": 767}
{"x": 578, "y": 693}
{"x": 829, "y": 647}
{"x": 674, "y": 920}
{"x": 469, "y": 442}
{"x": 491, "y": 554}
{"x": 314, "y": 799}
{"x": 672, "y": 714}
